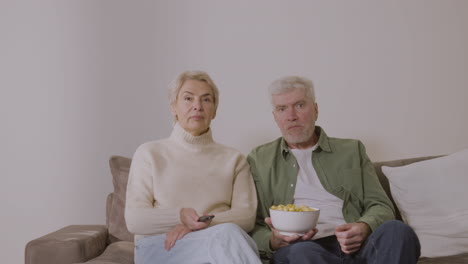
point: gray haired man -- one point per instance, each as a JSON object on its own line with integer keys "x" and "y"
{"x": 306, "y": 167}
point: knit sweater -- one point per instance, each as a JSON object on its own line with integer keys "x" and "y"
{"x": 188, "y": 171}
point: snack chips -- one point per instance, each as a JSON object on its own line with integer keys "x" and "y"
{"x": 291, "y": 208}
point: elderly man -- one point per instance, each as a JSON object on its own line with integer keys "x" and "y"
{"x": 306, "y": 167}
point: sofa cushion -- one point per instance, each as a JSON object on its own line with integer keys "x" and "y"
{"x": 120, "y": 166}
{"x": 431, "y": 196}
{"x": 457, "y": 259}
{"x": 395, "y": 163}
{"x": 73, "y": 243}
{"x": 116, "y": 253}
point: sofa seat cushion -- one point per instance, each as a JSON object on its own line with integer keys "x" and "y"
{"x": 458, "y": 259}
{"x": 116, "y": 253}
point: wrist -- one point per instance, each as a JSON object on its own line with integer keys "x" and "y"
{"x": 365, "y": 227}
{"x": 181, "y": 215}
{"x": 364, "y": 224}
{"x": 272, "y": 244}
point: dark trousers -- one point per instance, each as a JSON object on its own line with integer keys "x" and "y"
{"x": 392, "y": 242}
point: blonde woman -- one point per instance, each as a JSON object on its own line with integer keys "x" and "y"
{"x": 190, "y": 199}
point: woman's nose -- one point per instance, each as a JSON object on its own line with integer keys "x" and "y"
{"x": 197, "y": 105}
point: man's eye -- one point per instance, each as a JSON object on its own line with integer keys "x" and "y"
{"x": 300, "y": 105}
{"x": 280, "y": 109}
{"x": 188, "y": 98}
{"x": 207, "y": 99}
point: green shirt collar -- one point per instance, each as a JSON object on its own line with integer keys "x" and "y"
{"x": 323, "y": 143}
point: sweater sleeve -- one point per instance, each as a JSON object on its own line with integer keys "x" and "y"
{"x": 244, "y": 199}
{"x": 141, "y": 216}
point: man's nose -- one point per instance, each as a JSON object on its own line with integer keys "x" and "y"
{"x": 291, "y": 114}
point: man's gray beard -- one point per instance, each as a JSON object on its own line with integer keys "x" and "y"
{"x": 305, "y": 136}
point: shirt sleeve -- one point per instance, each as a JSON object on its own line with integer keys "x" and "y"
{"x": 140, "y": 215}
{"x": 261, "y": 232}
{"x": 377, "y": 206}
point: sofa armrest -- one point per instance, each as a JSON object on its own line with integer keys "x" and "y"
{"x": 71, "y": 244}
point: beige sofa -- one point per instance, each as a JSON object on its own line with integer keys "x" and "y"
{"x": 112, "y": 243}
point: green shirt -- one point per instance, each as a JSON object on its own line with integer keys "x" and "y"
{"x": 342, "y": 167}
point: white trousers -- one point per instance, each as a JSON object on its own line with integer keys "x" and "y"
{"x": 223, "y": 244}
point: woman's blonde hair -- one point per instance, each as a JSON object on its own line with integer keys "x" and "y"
{"x": 201, "y": 76}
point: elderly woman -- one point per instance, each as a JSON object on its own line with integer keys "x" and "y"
{"x": 178, "y": 184}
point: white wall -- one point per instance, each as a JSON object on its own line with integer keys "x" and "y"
{"x": 83, "y": 80}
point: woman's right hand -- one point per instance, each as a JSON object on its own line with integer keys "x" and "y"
{"x": 189, "y": 217}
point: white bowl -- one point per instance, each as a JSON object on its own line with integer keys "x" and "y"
{"x": 290, "y": 223}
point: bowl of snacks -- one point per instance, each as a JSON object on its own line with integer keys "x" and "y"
{"x": 291, "y": 219}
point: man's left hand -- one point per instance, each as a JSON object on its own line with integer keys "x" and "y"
{"x": 351, "y": 236}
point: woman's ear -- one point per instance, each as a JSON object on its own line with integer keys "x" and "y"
{"x": 173, "y": 111}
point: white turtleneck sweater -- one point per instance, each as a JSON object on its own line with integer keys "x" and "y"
{"x": 188, "y": 171}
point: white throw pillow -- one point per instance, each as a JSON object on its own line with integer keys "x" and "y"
{"x": 432, "y": 196}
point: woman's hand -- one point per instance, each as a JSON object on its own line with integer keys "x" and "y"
{"x": 189, "y": 217}
{"x": 278, "y": 241}
{"x": 176, "y": 233}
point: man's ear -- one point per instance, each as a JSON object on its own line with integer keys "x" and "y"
{"x": 274, "y": 117}
{"x": 316, "y": 111}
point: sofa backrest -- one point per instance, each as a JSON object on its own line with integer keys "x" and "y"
{"x": 115, "y": 205}
{"x": 120, "y": 167}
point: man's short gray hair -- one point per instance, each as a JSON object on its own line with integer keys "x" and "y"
{"x": 292, "y": 83}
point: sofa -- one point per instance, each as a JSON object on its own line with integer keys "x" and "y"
{"x": 112, "y": 243}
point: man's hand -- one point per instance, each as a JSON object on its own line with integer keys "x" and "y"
{"x": 176, "y": 233}
{"x": 351, "y": 236}
{"x": 189, "y": 217}
{"x": 278, "y": 241}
